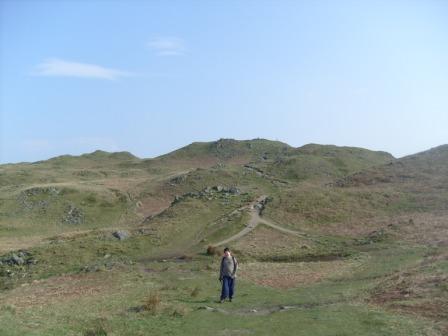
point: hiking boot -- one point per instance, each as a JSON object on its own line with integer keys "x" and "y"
{"x": 222, "y": 301}
{"x": 230, "y": 299}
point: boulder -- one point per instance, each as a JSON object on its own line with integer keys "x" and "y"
{"x": 234, "y": 191}
{"x": 121, "y": 234}
{"x": 17, "y": 260}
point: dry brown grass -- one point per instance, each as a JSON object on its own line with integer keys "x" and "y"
{"x": 265, "y": 241}
{"x": 422, "y": 291}
{"x": 195, "y": 292}
{"x": 152, "y": 303}
{"x": 59, "y": 289}
{"x": 290, "y": 275}
{"x": 426, "y": 228}
{"x": 19, "y": 243}
{"x": 213, "y": 250}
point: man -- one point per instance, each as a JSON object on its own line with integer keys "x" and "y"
{"x": 227, "y": 275}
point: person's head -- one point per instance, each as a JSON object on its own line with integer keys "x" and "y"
{"x": 227, "y": 252}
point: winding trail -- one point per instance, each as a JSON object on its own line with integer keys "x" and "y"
{"x": 254, "y": 220}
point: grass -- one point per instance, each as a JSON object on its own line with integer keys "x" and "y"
{"x": 371, "y": 259}
{"x": 325, "y": 308}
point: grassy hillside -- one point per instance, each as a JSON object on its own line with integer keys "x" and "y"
{"x": 345, "y": 241}
{"x": 322, "y": 162}
{"x": 207, "y": 154}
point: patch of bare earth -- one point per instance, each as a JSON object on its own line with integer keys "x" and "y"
{"x": 265, "y": 241}
{"x": 290, "y": 275}
{"x": 152, "y": 206}
{"x": 58, "y": 289}
{"x": 17, "y": 243}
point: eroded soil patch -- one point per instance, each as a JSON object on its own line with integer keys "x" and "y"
{"x": 290, "y": 275}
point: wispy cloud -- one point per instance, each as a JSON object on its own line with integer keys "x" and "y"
{"x": 167, "y": 46}
{"x": 59, "y": 67}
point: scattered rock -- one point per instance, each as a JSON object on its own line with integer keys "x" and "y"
{"x": 17, "y": 260}
{"x": 207, "y": 308}
{"x": 178, "y": 179}
{"x": 208, "y": 193}
{"x": 287, "y": 307}
{"x": 234, "y": 191}
{"x": 73, "y": 215}
{"x": 39, "y": 191}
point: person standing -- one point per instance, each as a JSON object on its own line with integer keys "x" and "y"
{"x": 227, "y": 275}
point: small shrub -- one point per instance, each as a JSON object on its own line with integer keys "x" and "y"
{"x": 152, "y": 303}
{"x": 179, "y": 311}
{"x": 212, "y": 250}
{"x": 195, "y": 292}
{"x": 91, "y": 199}
{"x": 97, "y": 330}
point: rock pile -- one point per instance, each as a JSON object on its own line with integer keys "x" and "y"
{"x": 209, "y": 193}
{"x": 27, "y": 199}
{"x": 18, "y": 258}
{"x": 73, "y": 215}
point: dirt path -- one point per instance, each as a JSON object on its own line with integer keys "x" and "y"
{"x": 280, "y": 228}
{"x": 254, "y": 220}
{"x": 267, "y": 310}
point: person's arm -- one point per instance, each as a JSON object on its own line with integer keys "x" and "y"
{"x": 235, "y": 266}
{"x": 220, "y": 270}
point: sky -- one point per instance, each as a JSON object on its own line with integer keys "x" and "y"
{"x": 149, "y": 77}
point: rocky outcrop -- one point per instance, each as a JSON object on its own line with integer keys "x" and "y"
{"x": 18, "y": 258}
{"x": 208, "y": 193}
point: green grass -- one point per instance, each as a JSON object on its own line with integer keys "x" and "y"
{"x": 327, "y": 308}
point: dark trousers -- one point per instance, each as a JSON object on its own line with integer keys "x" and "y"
{"x": 228, "y": 285}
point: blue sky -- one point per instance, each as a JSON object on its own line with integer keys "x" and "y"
{"x": 151, "y": 76}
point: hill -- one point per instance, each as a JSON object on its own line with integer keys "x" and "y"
{"x": 322, "y": 161}
{"x": 222, "y": 151}
{"x": 353, "y": 237}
